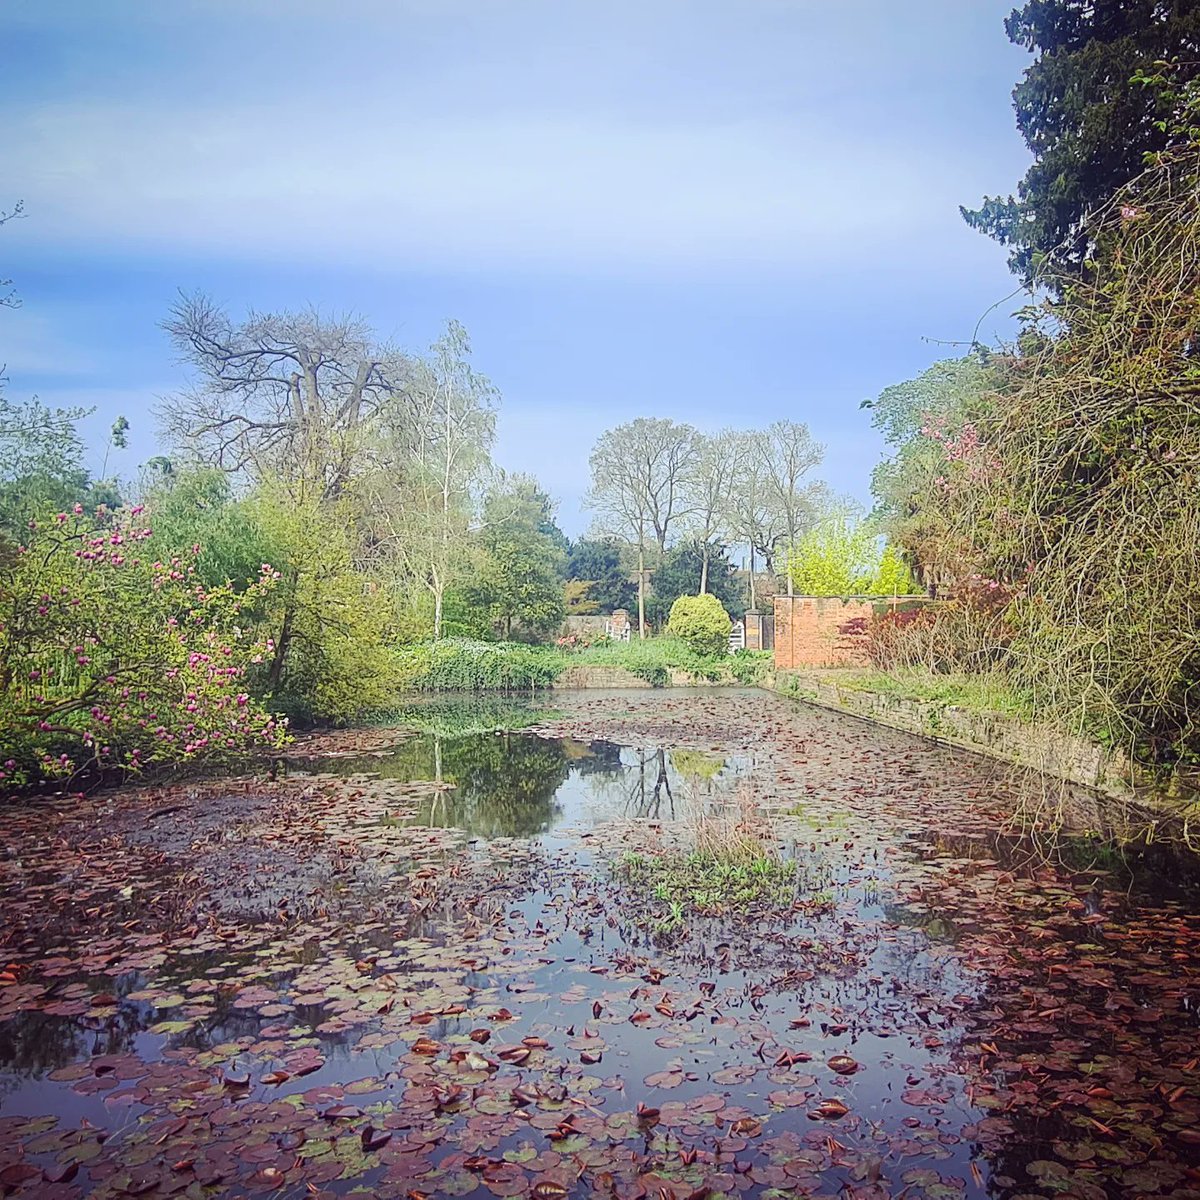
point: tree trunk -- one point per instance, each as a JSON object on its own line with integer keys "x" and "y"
{"x": 753, "y": 594}
{"x": 641, "y": 586}
{"x": 275, "y": 674}
{"x": 437, "y": 610}
{"x": 704, "y": 570}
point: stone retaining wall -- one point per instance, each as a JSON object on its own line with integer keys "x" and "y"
{"x": 598, "y": 677}
{"x": 1041, "y": 748}
{"x": 591, "y": 678}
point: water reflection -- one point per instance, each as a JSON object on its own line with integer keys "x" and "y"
{"x": 507, "y": 784}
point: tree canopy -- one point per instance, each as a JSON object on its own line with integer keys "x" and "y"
{"x": 598, "y": 562}
{"x": 680, "y": 574}
{"x": 1086, "y": 120}
{"x": 517, "y": 581}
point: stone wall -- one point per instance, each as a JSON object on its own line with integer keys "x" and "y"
{"x": 598, "y": 677}
{"x": 590, "y": 677}
{"x": 1041, "y": 748}
{"x": 588, "y": 625}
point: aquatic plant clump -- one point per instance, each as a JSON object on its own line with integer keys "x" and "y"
{"x": 706, "y": 884}
{"x": 730, "y": 864}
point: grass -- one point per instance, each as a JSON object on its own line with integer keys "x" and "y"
{"x": 991, "y": 692}
{"x": 654, "y": 659}
{"x": 462, "y": 665}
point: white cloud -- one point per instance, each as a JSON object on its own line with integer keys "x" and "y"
{"x": 280, "y": 182}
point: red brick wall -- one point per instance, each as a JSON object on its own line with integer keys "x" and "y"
{"x": 807, "y": 631}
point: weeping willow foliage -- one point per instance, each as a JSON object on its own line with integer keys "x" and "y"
{"x": 1090, "y": 500}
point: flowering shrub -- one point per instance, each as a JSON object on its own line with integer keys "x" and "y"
{"x": 970, "y": 631}
{"x": 582, "y": 640}
{"x": 110, "y": 659}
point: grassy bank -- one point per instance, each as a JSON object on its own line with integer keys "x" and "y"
{"x": 992, "y": 692}
{"x": 461, "y": 665}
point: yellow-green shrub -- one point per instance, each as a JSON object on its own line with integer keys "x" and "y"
{"x": 701, "y": 622}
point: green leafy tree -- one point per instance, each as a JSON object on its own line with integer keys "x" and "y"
{"x": 518, "y": 581}
{"x": 702, "y": 623}
{"x": 462, "y": 617}
{"x": 331, "y": 644}
{"x": 893, "y": 576}
{"x": 598, "y": 561}
{"x": 680, "y": 573}
{"x": 836, "y": 558}
{"x": 424, "y": 493}
{"x": 1085, "y": 118}
{"x": 40, "y": 456}
{"x": 195, "y": 507}
{"x": 577, "y": 598}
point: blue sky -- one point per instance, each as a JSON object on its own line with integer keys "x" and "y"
{"x": 721, "y": 212}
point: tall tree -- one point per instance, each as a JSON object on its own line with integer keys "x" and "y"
{"x": 785, "y": 502}
{"x": 1088, "y": 123}
{"x": 639, "y": 473}
{"x": 431, "y": 461}
{"x": 710, "y": 488}
{"x": 751, "y": 522}
{"x": 518, "y": 576}
{"x": 291, "y": 396}
{"x": 680, "y": 573}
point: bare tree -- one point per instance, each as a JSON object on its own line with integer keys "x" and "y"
{"x": 774, "y": 503}
{"x": 286, "y": 395}
{"x": 789, "y": 454}
{"x": 619, "y": 501}
{"x": 8, "y": 294}
{"x": 751, "y": 512}
{"x": 639, "y": 473}
{"x": 710, "y": 485}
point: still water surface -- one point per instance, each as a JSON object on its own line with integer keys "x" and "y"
{"x": 407, "y": 966}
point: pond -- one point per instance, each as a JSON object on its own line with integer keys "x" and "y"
{"x": 416, "y": 961}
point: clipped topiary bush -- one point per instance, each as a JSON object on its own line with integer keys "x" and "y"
{"x": 702, "y": 623}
